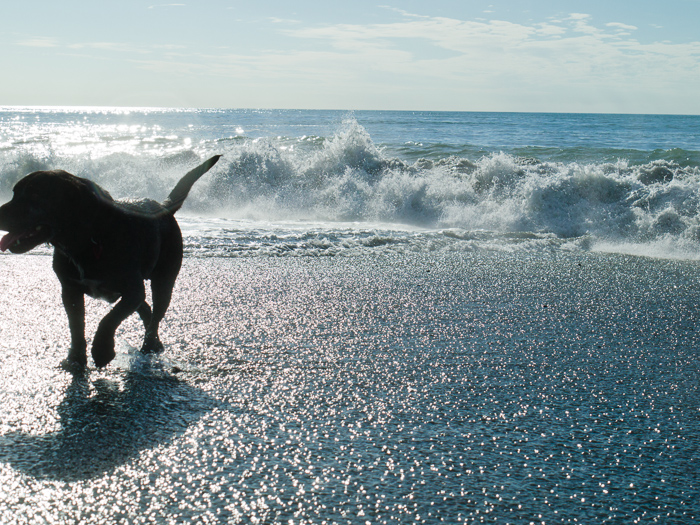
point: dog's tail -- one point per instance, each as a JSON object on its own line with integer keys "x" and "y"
{"x": 182, "y": 188}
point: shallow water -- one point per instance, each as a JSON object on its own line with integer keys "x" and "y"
{"x": 385, "y": 388}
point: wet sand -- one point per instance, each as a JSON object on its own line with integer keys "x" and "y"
{"x": 400, "y": 388}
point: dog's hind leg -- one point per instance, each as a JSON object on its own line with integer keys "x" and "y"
{"x": 103, "y": 343}
{"x": 145, "y": 313}
{"x": 161, "y": 288}
{"x": 162, "y": 282}
{"x": 151, "y": 343}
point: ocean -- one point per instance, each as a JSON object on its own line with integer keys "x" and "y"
{"x": 339, "y": 182}
{"x": 382, "y": 317}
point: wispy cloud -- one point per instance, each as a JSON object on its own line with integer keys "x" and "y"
{"x": 122, "y": 48}
{"x": 504, "y": 44}
{"x": 573, "y": 57}
{"x": 581, "y": 23}
{"x": 623, "y": 27}
{"x": 165, "y": 5}
{"x": 571, "y": 62}
{"x": 39, "y": 42}
{"x": 117, "y": 47}
{"x": 276, "y": 20}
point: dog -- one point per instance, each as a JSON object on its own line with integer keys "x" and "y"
{"x": 103, "y": 248}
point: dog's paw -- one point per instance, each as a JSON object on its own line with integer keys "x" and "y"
{"x": 152, "y": 345}
{"x": 77, "y": 353}
{"x": 73, "y": 367}
{"x": 103, "y": 351}
{"x": 76, "y": 361}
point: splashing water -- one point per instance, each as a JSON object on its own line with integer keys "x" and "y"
{"x": 337, "y": 174}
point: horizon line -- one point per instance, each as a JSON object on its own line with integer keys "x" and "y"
{"x": 117, "y": 108}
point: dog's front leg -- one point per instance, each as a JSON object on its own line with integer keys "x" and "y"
{"x": 103, "y": 344}
{"x": 73, "y": 298}
{"x": 74, "y": 304}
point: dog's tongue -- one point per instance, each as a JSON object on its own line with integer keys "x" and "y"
{"x": 8, "y": 240}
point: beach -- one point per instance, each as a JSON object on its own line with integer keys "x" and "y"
{"x": 382, "y": 317}
{"x": 385, "y": 388}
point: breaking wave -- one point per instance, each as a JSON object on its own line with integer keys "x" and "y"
{"x": 615, "y": 204}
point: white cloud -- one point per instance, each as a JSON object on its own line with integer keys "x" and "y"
{"x": 165, "y": 5}
{"x": 119, "y": 47}
{"x": 571, "y": 59}
{"x": 403, "y": 12}
{"x": 276, "y": 20}
{"x": 116, "y": 47}
{"x": 569, "y": 63}
{"x": 581, "y": 23}
{"x": 551, "y": 30}
{"x": 623, "y": 27}
{"x": 39, "y": 42}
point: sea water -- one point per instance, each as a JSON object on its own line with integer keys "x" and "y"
{"x": 382, "y": 317}
{"x": 338, "y": 181}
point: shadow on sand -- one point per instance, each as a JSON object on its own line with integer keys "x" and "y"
{"x": 106, "y": 422}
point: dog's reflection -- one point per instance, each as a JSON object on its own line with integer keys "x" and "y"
{"x": 106, "y": 422}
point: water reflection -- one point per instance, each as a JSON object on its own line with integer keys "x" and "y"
{"x": 493, "y": 388}
{"x": 104, "y": 423}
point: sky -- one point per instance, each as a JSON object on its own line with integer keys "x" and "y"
{"x": 612, "y": 56}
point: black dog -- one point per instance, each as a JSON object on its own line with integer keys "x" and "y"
{"x": 103, "y": 248}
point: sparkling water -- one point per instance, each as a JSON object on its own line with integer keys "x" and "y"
{"x": 381, "y": 318}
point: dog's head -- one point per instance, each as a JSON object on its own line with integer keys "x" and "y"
{"x": 45, "y": 204}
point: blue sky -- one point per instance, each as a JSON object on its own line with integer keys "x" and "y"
{"x": 615, "y": 56}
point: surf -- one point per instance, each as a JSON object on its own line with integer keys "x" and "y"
{"x": 388, "y": 172}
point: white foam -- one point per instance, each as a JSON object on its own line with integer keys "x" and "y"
{"x": 347, "y": 178}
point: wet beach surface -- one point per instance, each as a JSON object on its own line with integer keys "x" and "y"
{"x": 388, "y": 388}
